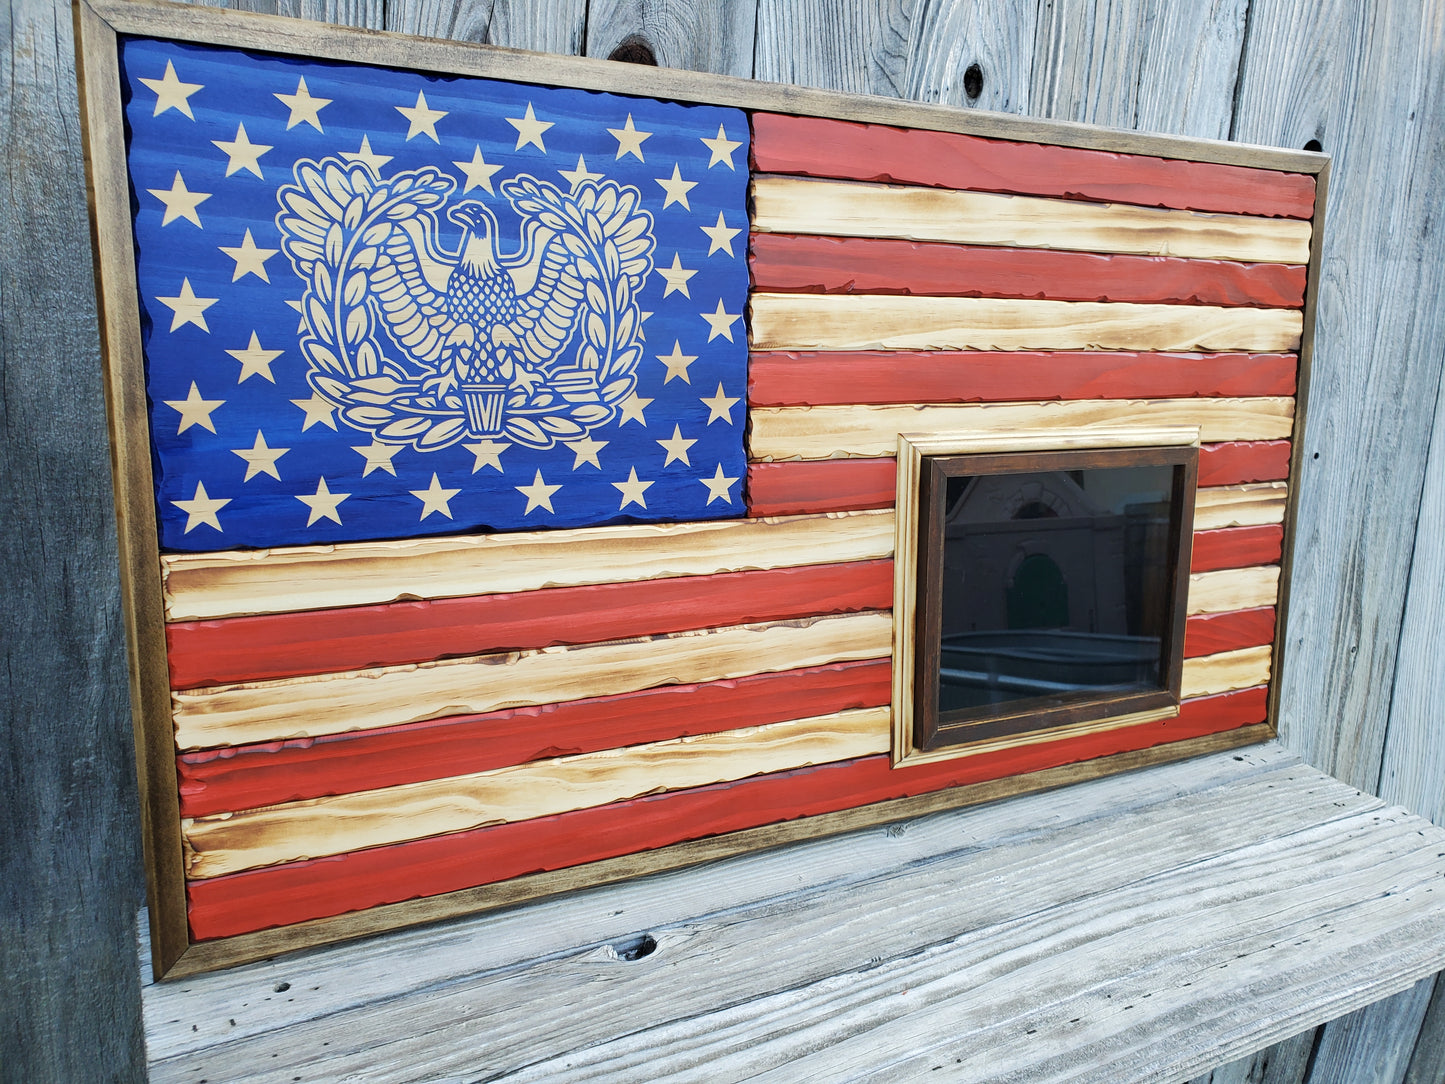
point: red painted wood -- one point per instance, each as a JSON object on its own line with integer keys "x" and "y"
{"x": 1240, "y": 461}
{"x": 1237, "y": 547}
{"x": 800, "y": 264}
{"x": 326, "y": 641}
{"x": 281, "y": 895}
{"x": 982, "y": 376}
{"x": 818, "y": 147}
{"x": 1206, "y": 634}
{"x": 829, "y": 485}
{"x": 249, "y": 776}
{"x": 844, "y": 485}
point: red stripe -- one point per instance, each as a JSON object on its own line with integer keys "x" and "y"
{"x": 1206, "y": 634}
{"x": 981, "y": 376}
{"x": 325, "y": 641}
{"x": 845, "y": 485}
{"x": 788, "y": 263}
{"x": 817, "y": 147}
{"x": 250, "y": 776}
{"x": 1243, "y": 461}
{"x": 1237, "y": 547}
{"x": 281, "y": 895}
{"x": 830, "y": 485}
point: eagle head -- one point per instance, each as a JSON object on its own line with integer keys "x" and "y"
{"x": 479, "y": 232}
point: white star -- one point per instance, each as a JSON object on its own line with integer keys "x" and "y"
{"x": 718, "y": 486}
{"x": 676, "y": 447}
{"x": 187, "y": 308}
{"x": 254, "y": 360}
{"x": 538, "y": 494}
{"x": 434, "y": 498}
{"x": 242, "y": 153}
{"x": 632, "y": 408}
{"x": 529, "y": 130}
{"x": 180, "y": 203}
{"x": 202, "y": 508}
{"x": 250, "y": 260}
{"x": 677, "y": 363}
{"x": 722, "y": 149}
{"x": 720, "y": 322}
{"x": 676, "y": 277}
{"x": 260, "y": 459}
{"x": 720, "y": 235}
{"x": 194, "y": 410}
{"x": 488, "y": 453}
{"x": 477, "y": 172}
{"x": 629, "y": 139}
{"x": 378, "y": 456}
{"x": 317, "y": 410}
{"x": 632, "y": 491}
{"x": 365, "y": 155}
{"x": 720, "y": 407}
{"x": 421, "y": 119}
{"x": 304, "y": 109}
{"x": 323, "y": 503}
{"x": 579, "y": 175}
{"x": 585, "y": 451}
{"x": 676, "y": 189}
{"x": 171, "y": 93}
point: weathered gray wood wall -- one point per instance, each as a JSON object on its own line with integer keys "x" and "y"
{"x": 1362, "y": 682}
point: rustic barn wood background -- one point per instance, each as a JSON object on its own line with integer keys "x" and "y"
{"x": 1364, "y": 81}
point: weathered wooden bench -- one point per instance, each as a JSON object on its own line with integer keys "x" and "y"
{"x": 1144, "y": 927}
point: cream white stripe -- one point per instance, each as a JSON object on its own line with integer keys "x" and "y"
{"x": 1227, "y": 671}
{"x": 1233, "y": 589}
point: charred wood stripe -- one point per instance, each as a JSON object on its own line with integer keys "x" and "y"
{"x": 821, "y": 147}
{"x": 799, "y": 263}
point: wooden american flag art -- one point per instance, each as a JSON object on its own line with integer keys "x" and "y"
{"x": 505, "y": 448}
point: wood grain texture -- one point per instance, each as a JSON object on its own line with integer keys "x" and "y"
{"x": 1233, "y": 589}
{"x": 317, "y": 641}
{"x": 819, "y": 147}
{"x": 925, "y": 50}
{"x": 824, "y": 44}
{"x": 548, "y": 26}
{"x": 1282, "y": 1063}
{"x": 1211, "y": 633}
{"x": 345, "y": 979}
{"x": 830, "y": 432}
{"x": 246, "y": 777}
{"x": 1240, "y": 506}
{"x": 236, "y": 903}
{"x": 798, "y": 378}
{"x": 1427, "y": 1061}
{"x": 709, "y": 37}
{"x": 1362, "y": 81}
{"x": 858, "y": 209}
{"x": 317, "y": 827}
{"x": 388, "y": 696}
{"x": 72, "y": 858}
{"x": 1164, "y": 891}
{"x": 1140, "y": 64}
{"x": 1373, "y": 1043}
{"x": 1227, "y": 670}
{"x": 235, "y": 583}
{"x": 783, "y": 262}
{"x": 873, "y": 322}
{"x": 1236, "y": 547}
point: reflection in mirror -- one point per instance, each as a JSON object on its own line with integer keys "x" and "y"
{"x": 1054, "y": 582}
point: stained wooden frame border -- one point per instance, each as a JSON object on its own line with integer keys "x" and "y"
{"x": 98, "y": 24}
{"x": 935, "y": 731}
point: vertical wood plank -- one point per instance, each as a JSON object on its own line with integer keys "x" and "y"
{"x": 546, "y": 26}
{"x": 366, "y": 13}
{"x": 1373, "y": 1045}
{"x": 700, "y": 35}
{"x": 1282, "y": 1063}
{"x": 69, "y": 845}
{"x": 1427, "y": 1062}
{"x": 1367, "y": 82}
{"x": 830, "y": 44}
{"x": 1148, "y": 64}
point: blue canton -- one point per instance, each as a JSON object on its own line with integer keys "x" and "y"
{"x": 377, "y": 304}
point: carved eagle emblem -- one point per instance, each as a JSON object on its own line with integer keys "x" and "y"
{"x": 425, "y": 343}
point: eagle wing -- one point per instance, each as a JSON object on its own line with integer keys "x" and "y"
{"x": 407, "y": 294}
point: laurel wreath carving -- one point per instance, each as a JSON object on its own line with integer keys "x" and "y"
{"x": 337, "y": 217}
